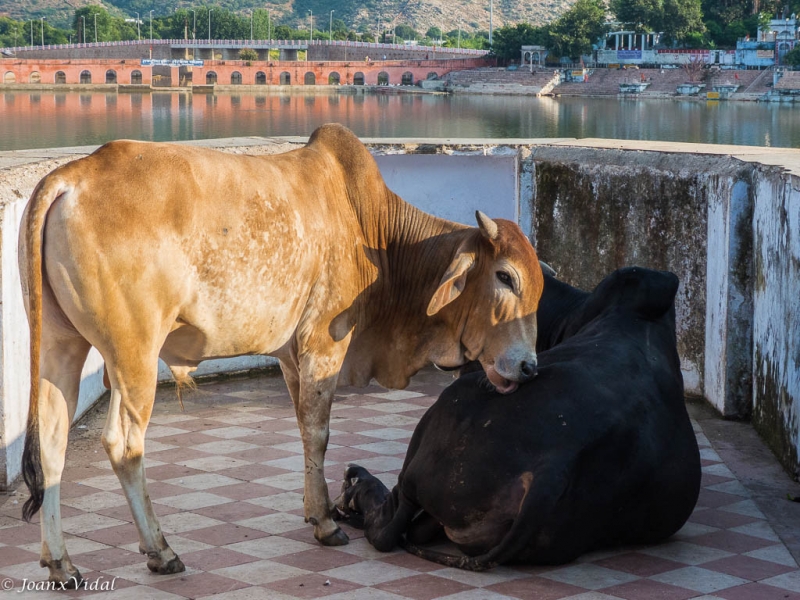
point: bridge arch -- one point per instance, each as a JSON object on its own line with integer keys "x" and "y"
{"x": 211, "y": 78}
{"x": 383, "y": 78}
{"x": 261, "y": 78}
{"x": 86, "y": 76}
{"x": 358, "y": 78}
{"x": 407, "y": 78}
{"x": 236, "y": 78}
{"x": 334, "y": 78}
{"x": 60, "y": 77}
{"x": 286, "y": 78}
{"x": 136, "y": 77}
{"x": 35, "y": 77}
{"x": 111, "y": 76}
{"x": 309, "y": 78}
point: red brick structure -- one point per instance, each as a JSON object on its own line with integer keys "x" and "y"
{"x": 229, "y": 72}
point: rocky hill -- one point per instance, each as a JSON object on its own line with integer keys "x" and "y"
{"x": 471, "y": 15}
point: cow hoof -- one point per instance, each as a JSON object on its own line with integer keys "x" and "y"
{"x": 67, "y": 578}
{"x": 156, "y": 565}
{"x": 67, "y": 582}
{"x": 337, "y": 538}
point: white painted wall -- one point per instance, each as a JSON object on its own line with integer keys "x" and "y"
{"x": 776, "y": 313}
{"x": 455, "y": 186}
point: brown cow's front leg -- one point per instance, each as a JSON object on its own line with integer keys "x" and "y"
{"x": 318, "y": 377}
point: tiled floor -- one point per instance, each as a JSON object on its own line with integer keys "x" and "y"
{"x": 226, "y": 480}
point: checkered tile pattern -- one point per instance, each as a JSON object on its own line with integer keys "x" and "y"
{"x": 226, "y": 480}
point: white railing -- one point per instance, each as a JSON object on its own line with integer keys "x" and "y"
{"x": 299, "y": 44}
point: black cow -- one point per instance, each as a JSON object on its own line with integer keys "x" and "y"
{"x": 597, "y": 451}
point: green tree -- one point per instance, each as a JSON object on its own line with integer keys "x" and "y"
{"x": 405, "y": 32}
{"x": 12, "y": 33}
{"x": 283, "y": 32}
{"x": 434, "y": 33}
{"x": 508, "y": 40}
{"x": 339, "y": 29}
{"x": 575, "y": 32}
{"x": 681, "y": 19}
{"x": 640, "y": 15}
{"x": 764, "y": 20}
{"x": 792, "y": 57}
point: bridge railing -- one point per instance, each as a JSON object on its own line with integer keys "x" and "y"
{"x": 299, "y": 44}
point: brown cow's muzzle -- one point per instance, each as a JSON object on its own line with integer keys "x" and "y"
{"x": 507, "y": 380}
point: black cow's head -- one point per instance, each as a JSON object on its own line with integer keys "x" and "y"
{"x": 635, "y": 291}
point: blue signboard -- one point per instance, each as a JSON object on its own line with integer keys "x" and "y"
{"x": 629, "y": 54}
{"x": 170, "y": 62}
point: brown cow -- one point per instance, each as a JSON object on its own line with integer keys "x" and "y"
{"x": 156, "y": 250}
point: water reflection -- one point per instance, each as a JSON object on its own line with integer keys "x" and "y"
{"x": 67, "y": 119}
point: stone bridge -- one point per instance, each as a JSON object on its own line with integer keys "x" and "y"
{"x": 230, "y": 72}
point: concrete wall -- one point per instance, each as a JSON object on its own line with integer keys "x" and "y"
{"x": 721, "y": 218}
{"x": 776, "y": 314}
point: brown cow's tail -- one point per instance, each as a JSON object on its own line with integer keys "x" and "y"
{"x": 31, "y": 243}
{"x": 534, "y": 511}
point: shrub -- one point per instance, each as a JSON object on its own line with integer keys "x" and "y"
{"x": 248, "y": 54}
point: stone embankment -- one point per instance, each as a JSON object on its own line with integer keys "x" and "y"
{"x": 492, "y": 80}
{"x": 661, "y": 83}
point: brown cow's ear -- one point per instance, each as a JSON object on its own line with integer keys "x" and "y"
{"x": 486, "y": 225}
{"x": 452, "y": 283}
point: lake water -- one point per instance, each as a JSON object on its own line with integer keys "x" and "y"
{"x": 50, "y": 119}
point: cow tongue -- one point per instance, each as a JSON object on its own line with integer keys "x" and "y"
{"x": 503, "y": 385}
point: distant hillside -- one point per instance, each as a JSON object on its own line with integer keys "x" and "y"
{"x": 473, "y": 15}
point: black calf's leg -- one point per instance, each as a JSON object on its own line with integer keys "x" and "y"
{"x": 386, "y": 515}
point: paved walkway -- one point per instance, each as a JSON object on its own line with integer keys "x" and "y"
{"x": 226, "y": 479}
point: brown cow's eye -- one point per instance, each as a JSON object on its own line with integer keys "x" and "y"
{"x": 505, "y": 279}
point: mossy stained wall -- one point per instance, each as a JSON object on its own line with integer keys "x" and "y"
{"x": 776, "y": 314}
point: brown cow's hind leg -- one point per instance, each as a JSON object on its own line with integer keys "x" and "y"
{"x": 132, "y": 396}
{"x": 61, "y": 364}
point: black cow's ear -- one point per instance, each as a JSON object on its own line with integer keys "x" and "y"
{"x": 655, "y": 294}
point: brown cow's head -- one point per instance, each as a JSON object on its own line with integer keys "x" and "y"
{"x": 494, "y": 284}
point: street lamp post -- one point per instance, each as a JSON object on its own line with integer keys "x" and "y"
{"x": 42, "y": 18}
{"x": 251, "y": 24}
{"x": 459, "y": 35}
{"x": 330, "y": 27}
{"x": 209, "y": 28}
{"x": 269, "y": 25}
{"x": 95, "y": 28}
{"x": 83, "y": 18}
{"x": 138, "y": 31}
{"x": 31, "y": 32}
{"x": 194, "y": 23}
{"x": 491, "y": 14}
{"x": 310, "y": 27}
{"x": 151, "y": 26}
